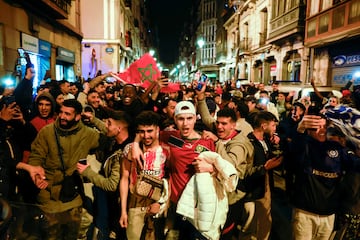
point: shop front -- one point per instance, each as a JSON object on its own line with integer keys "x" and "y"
{"x": 344, "y": 68}
{"x": 39, "y": 52}
{"x": 64, "y": 68}
{"x": 339, "y": 62}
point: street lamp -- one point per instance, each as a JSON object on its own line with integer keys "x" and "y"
{"x": 183, "y": 71}
{"x": 200, "y": 42}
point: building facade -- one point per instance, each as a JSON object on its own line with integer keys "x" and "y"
{"x": 267, "y": 37}
{"x": 115, "y": 35}
{"x": 227, "y": 40}
{"x": 48, "y": 30}
{"x": 247, "y": 32}
{"x": 332, "y": 35}
{"x": 288, "y": 58}
{"x": 206, "y": 57}
{"x": 188, "y": 61}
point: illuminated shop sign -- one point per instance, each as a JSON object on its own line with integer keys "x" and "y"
{"x": 343, "y": 60}
{"x": 65, "y": 55}
{"x": 29, "y": 43}
{"x": 35, "y": 45}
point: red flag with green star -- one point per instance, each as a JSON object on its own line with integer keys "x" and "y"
{"x": 141, "y": 72}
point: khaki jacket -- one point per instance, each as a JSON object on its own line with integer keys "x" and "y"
{"x": 110, "y": 181}
{"x": 239, "y": 151}
{"x": 76, "y": 143}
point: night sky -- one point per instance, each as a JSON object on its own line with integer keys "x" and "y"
{"x": 168, "y": 19}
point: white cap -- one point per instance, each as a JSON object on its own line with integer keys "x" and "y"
{"x": 184, "y": 107}
{"x": 337, "y": 93}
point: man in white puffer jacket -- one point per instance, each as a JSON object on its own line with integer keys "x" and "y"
{"x": 205, "y": 205}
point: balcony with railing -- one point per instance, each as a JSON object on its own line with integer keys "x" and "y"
{"x": 340, "y": 21}
{"x": 289, "y": 23}
{"x": 262, "y": 38}
{"x": 62, "y": 4}
{"x": 245, "y": 46}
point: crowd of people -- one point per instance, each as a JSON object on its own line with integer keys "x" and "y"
{"x": 86, "y": 160}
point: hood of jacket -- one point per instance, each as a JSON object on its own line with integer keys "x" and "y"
{"x": 49, "y": 97}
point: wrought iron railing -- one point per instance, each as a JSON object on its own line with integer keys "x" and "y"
{"x": 245, "y": 44}
{"x": 63, "y": 4}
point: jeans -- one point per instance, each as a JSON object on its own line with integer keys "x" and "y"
{"x": 101, "y": 215}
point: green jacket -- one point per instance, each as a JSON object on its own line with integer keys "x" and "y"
{"x": 76, "y": 143}
{"x": 110, "y": 181}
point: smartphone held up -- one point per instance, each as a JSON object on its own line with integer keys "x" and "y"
{"x": 202, "y": 81}
{"x": 165, "y": 74}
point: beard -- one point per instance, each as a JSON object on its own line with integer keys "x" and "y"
{"x": 148, "y": 142}
{"x": 68, "y": 124}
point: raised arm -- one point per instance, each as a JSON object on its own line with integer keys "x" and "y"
{"x": 312, "y": 81}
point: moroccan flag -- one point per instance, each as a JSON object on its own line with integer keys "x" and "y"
{"x": 170, "y": 88}
{"x": 124, "y": 77}
{"x": 141, "y": 72}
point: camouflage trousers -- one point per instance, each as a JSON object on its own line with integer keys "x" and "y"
{"x": 59, "y": 226}
{"x": 31, "y": 223}
{"x": 64, "y": 225}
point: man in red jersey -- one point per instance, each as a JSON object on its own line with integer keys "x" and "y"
{"x": 185, "y": 146}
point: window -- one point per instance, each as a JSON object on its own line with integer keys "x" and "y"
{"x": 275, "y": 10}
{"x": 338, "y": 18}
{"x": 311, "y": 29}
{"x": 292, "y": 62}
{"x": 65, "y": 71}
{"x": 246, "y": 71}
{"x": 325, "y": 4}
{"x": 354, "y": 15}
{"x": 287, "y": 5}
{"x": 324, "y": 23}
{"x": 314, "y": 7}
{"x": 281, "y": 7}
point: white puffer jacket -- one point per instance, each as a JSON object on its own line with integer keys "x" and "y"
{"x": 204, "y": 200}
